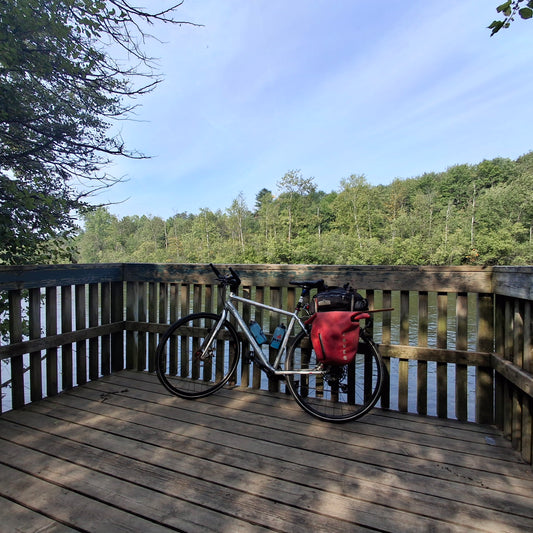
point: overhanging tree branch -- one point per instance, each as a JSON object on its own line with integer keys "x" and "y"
{"x": 60, "y": 92}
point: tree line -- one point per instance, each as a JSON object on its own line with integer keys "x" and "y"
{"x": 469, "y": 214}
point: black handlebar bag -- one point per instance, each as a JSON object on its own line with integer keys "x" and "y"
{"x": 339, "y": 299}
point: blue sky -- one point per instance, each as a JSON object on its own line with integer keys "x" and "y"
{"x": 332, "y": 88}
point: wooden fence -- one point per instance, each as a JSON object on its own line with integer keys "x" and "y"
{"x": 457, "y": 345}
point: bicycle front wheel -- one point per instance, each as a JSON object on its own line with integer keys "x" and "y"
{"x": 188, "y": 368}
{"x": 338, "y": 393}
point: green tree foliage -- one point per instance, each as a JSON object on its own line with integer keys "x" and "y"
{"x": 510, "y": 9}
{"x": 60, "y": 91}
{"x": 470, "y": 214}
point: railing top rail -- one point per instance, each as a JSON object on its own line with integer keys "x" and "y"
{"x": 430, "y": 278}
{"x": 33, "y": 276}
{"x": 508, "y": 281}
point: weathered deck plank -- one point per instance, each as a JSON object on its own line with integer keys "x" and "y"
{"x": 120, "y": 454}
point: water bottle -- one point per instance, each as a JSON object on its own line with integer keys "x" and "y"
{"x": 257, "y": 332}
{"x": 277, "y": 336}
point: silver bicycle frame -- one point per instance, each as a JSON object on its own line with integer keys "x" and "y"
{"x": 230, "y": 309}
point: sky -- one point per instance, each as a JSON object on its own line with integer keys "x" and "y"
{"x": 330, "y": 88}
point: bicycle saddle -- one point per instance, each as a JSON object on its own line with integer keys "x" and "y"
{"x": 319, "y": 283}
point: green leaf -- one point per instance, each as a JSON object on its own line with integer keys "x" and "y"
{"x": 496, "y": 26}
{"x": 505, "y": 8}
{"x": 526, "y": 12}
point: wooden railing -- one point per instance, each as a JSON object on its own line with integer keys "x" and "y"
{"x": 457, "y": 345}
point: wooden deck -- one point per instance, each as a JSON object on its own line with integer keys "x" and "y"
{"x": 120, "y": 454}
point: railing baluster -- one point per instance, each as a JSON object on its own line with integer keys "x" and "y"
{"x": 66, "y": 326}
{"x": 93, "y": 322}
{"x": 461, "y": 343}
{"x": 403, "y": 365}
{"x": 117, "y": 315}
{"x": 174, "y": 312}
{"x": 51, "y": 353}
{"x": 527, "y": 415}
{"x": 442, "y": 343}
{"x": 245, "y": 345}
{"x": 484, "y": 375}
{"x": 34, "y": 322}
{"x": 15, "y": 335}
{"x": 275, "y": 301}
{"x": 81, "y": 323}
{"x": 132, "y": 314}
{"x": 386, "y": 339}
{"x": 141, "y": 335}
{"x": 259, "y": 318}
{"x": 422, "y": 366}
{"x": 152, "y": 318}
{"x": 105, "y": 303}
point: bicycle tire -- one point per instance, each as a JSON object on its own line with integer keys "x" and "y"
{"x": 340, "y": 393}
{"x": 178, "y": 366}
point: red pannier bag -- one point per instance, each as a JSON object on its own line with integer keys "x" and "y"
{"x": 335, "y": 335}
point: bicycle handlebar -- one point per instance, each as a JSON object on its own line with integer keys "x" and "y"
{"x": 232, "y": 279}
{"x": 215, "y": 270}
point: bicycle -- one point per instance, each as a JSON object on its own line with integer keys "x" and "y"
{"x": 199, "y": 354}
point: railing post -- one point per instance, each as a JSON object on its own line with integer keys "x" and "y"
{"x": 259, "y": 316}
{"x": 132, "y": 345}
{"x": 527, "y": 416}
{"x": 275, "y": 301}
{"x": 36, "y": 373}
{"x": 93, "y": 322}
{"x": 386, "y": 339}
{"x": 245, "y": 345}
{"x": 117, "y": 315}
{"x": 105, "y": 303}
{"x": 51, "y": 353}
{"x": 141, "y": 335}
{"x": 152, "y": 318}
{"x": 499, "y": 348}
{"x": 485, "y": 375}
{"x": 518, "y": 360}
{"x": 66, "y": 326}
{"x": 403, "y": 365}
{"x": 442, "y": 343}
{"x": 81, "y": 323}
{"x": 15, "y": 335}
{"x": 422, "y": 366}
{"x": 461, "y": 343}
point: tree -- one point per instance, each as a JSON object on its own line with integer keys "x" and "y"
{"x": 238, "y": 213}
{"x": 510, "y": 9}
{"x": 60, "y": 92}
{"x": 352, "y": 204}
{"x": 294, "y": 187}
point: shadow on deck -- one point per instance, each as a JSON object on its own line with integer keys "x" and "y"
{"x": 120, "y": 454}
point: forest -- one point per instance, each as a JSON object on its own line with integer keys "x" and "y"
{"x": 469, "y": 214}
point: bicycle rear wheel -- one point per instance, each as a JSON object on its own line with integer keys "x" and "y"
{"x": 179, "y": 363}
{"x": 339, "y": 393}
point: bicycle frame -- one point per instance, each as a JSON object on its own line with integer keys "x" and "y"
{"x": 231, "y": 309}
